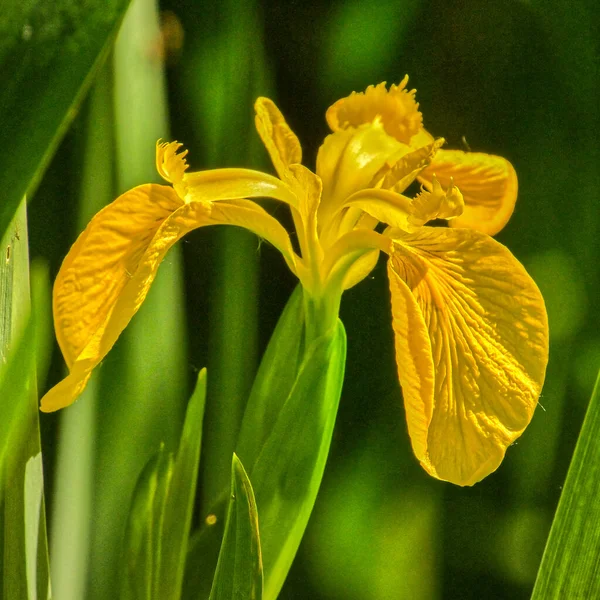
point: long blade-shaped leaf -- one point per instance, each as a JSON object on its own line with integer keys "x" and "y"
{"x": 23, "y": 544}
{"x": 239, "y": 571}
{"x": 161, "y": 513}
{"x": 49, "y": 52}
{"x": 571, "y": 563}
{"x": 288, "y": 472}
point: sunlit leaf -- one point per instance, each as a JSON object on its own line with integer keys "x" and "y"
{"x": 239, "y": 571}
{"x": 161, "y": 513}
{"x": 569, "y": 567}
{"x": 287, "y": 464}
{"x": 24, "y": 552}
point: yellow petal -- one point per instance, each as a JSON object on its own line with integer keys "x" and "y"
{"x": 385, "y": 206}
{"x": 413, "y": 356}
{"x": 108, "y": 271}
{"x": 172, "y": 165}
{"x": 396, "y": 107}
{"x": 488, "y": 184}
{"x": 226, "y": 184}
{"x": 281, "y": 142}
{"x": 488, "y": 332}
{"x": 403, "y": 172}
{"x": 352, "y": 160}
{"x": 436, "y": 204}
{"x": 103, "y": 260}
{"x": 107, "y": 274}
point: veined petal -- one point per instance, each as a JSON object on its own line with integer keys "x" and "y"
{"x": 396, "y": 107}
{"x": 488, "y": 332}
{"x": 413, "y": 356}
{"x": 488, "y": 184}
{"x": 106, "y": 277}
{"x": 281, "y": 142}
{"x": 108, "y": 272}
{"x": 103, "y": 260}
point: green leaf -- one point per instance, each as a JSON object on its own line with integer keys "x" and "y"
{"x": 289, "y": 469}
{"x": 569, "y": 566}
{"x": 274, "y": 380}
{"x": 292, "y": 412}
{"x": 239, "y": 571}
{"x": 23, "y": 545}
{"x": 159, "y": 522}
{"x": 49, "y": 52}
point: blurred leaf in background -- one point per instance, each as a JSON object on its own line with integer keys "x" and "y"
{"x": 222, "y": 71}
{"x": 49, "y": 53}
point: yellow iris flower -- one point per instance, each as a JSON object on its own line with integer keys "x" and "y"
{"x": 470, "y": 325}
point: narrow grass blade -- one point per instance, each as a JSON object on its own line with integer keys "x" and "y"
{"x": 23, "y": 545}
{"x": 571, "y": 563}
{"x": 161, "y": 513}
{"x": 239, "y": 571}
{"x": 49, "y": 52}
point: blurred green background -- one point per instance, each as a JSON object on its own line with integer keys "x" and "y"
{"x": 519, "y": 79}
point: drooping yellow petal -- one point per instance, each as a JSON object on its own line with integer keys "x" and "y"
{"x": 488, "y": 184}
{"x": 488, "y": 332}
{"x": 413, "y": 356}
{"x": 281, "y": 142}
{"x": 397, "y": 108}
{"x": 103, "y": 260}
{"x": 108, "y": 271}
{"x": 106, "y": 275}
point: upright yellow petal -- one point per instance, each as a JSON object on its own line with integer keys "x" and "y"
{"x": 281, "y": 142}
{"x": 172, "y": 165}
{"x": 355, "y": 159}
{"x": 488, "y": 184}
{"x": 488, "y": 332}
{"x": 396, "y": 107}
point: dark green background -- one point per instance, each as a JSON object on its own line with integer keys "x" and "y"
{"x": 511, "y": 78}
